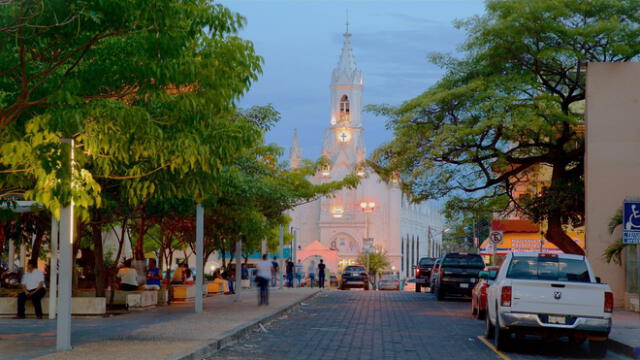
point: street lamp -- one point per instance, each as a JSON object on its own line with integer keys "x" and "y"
{"x": 367, "y": 207}
{"x": 431, "y": 239}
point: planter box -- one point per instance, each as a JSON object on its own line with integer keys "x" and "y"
{"x": 217, "y": 287}
{"x": 183, "y": 292}
{"x": 79, "y": 306}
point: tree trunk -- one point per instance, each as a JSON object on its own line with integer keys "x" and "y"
{"x": 98, "y": 254}
{"x": 139, "y": 252}
{"x": 555, "y": 233}
{"x": 37, "y": 243}
{"x": 2, "y": 238}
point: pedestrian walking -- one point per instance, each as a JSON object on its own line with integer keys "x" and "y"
{"x": 312, "y": 273}
{"x": 299, "y": 272}
{"x": 264, "y": 269}
{"x": 290, "y": 268}
{"x": 321, "y": 273}
{"x": 274, "y": 271}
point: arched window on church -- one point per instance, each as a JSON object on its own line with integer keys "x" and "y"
{"x": 345, "y": 108}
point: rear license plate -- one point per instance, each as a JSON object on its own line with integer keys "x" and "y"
{"x": 464, "y": 286}
{"x": 557, "y": 320}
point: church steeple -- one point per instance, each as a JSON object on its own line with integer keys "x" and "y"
{"x": 346, "y": 71}
{"x": 344, "y": 140}
{"x": 295, "y": 153}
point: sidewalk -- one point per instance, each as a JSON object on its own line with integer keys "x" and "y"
{"x": 625, "y": 333}
{"x": 169, "y": 332}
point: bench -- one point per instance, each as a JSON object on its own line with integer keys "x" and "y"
{"x": 134, "y": 299}
{"x": 79, "y": 306}
{"x": 182, "y": 292}
{"x": 217, "y": 287}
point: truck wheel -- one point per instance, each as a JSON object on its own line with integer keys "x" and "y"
{"x": 502, "y": 338}
{"x": 489, "y": 329}
{"x": 598, "y": 348}
{"x": 418, "y": 288}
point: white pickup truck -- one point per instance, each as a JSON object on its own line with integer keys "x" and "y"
{"x": 549, "y": 295}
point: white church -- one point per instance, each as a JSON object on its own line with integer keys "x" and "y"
{"x": 335, "y": 229}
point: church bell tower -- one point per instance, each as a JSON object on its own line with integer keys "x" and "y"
{"x": 345, "y": 133}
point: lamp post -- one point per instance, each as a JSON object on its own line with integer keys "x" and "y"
{"x": 367, "y": 207}
{"x": 430, "y": 237}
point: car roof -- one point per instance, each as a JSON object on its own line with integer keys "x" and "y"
{"x": 560, "y": 255}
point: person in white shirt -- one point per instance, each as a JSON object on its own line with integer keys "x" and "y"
{"x": 33, "y": 288}
{"x": 128, "y": 277}
{"x": 263, "y": 275}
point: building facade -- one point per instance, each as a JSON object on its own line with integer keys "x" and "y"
{"x": 335, "y": 228}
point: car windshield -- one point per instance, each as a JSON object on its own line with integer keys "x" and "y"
{"x": 426, "y": 262}
{"x": 548, "y": 268}
{"x": 354, "y": 269}
{"x": 473, "y": 260}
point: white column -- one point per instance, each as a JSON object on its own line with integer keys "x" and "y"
{"x": 12, "y": 255}
{"x": 263, "y": 247}
{"x": 53, "y": 271}
{"x": 281, "y": 262}
{"x": 238, "y": 286}
{"x": 199, "y": 256}
{"x": 63, "y": 334}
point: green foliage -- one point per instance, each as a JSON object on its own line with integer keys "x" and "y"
{"x": 511, "y": 105}
{"x": 613, "y": 252}
{"x": 378, "y": 261}
{"x": 146, "y": 89}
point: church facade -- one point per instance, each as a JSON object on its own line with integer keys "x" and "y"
{"x": 375, "y": 215}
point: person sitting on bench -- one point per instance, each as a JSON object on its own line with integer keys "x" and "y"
{"x": 33, "y": 288}
{"x": 128, "y": 277}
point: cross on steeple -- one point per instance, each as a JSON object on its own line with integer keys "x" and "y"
{"x": 347, "y": 23}
{"x": 344, "y": 137}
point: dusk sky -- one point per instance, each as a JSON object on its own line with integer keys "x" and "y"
{"x": 301, "y": 41}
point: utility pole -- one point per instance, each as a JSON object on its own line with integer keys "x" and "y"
{"x": 281, "y": 241}
{"x": 199, "y": 256}
{"x": 63, "y": 322}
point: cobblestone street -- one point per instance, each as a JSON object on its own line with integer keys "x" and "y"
{"x": 385, "y": 325}
{"x": 369, "y": 325}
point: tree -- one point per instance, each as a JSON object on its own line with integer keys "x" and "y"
{"x": 377, "y": 262}
{"x": 511, "y": 106}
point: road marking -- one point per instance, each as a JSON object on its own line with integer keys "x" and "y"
{"x": 502, "y": 355}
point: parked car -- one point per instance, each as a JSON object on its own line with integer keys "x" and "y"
{"x": 389, "y": 281}
{"x": 434, "y": 274}
{"x": 457, "y": 274}
{"x": 479, "y": 292}
{"x": 355, "y": 276}
{"x": 423, "y": 272}
{"x": 550, "y": 295}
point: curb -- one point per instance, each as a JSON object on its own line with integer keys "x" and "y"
{"x": 231, "y": 336}
{"x": 624, "y": 349}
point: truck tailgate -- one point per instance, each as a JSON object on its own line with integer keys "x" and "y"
{"x": 566, "y": 298}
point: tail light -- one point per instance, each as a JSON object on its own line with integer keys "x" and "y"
{"x": 608, "y": 302}
{"x": 483, "y": 291}
{"x": 505, "y": 297}
{"x": 417, "y": 272}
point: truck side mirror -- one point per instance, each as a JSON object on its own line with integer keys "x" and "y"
{"x": 493, "y": 275}
{"x": 483, "y": 275}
